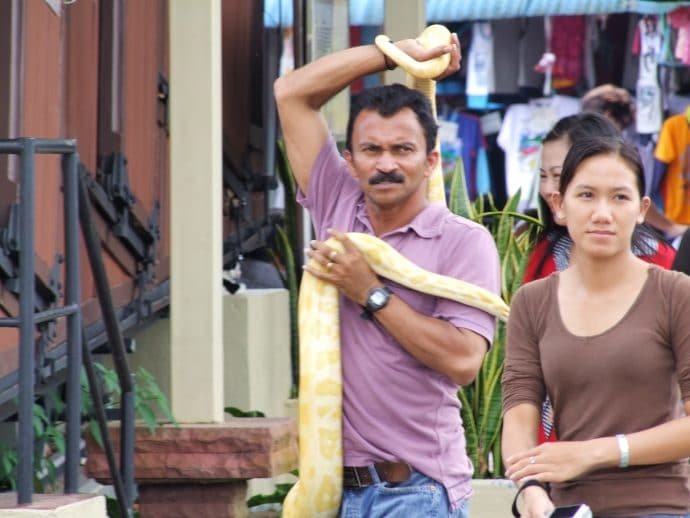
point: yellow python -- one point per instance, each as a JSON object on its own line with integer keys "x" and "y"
{"x": 319, "y": 489}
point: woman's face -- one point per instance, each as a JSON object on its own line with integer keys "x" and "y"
{"x": 552, "y": 157}
{"x": 601, "y": 206}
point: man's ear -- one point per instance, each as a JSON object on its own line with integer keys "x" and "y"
{"x": 347, "y": 155}
{"x": 432, "y": 159}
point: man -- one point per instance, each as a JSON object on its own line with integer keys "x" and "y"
{"x": 404, "y": 447}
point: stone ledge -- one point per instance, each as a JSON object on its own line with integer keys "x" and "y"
{"x": 53, "y": 506}
{"x": 239, "y": 449}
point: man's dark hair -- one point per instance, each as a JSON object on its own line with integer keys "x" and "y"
{"x": 388, "y": 101}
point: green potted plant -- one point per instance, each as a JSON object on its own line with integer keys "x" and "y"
{"x": 481, "y": 401}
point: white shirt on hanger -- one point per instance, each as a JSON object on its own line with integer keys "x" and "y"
{"x": 480, "y": 62}
{"x": 523, "y": 129}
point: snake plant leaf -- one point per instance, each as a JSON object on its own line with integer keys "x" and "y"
{"x": 505, "y": 224}
{"x": 459, "y": 202}
{"x": 482, "y": 406}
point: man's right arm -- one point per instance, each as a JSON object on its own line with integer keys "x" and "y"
{"x": 301, "y": 94}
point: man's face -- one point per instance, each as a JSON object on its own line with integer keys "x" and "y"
{"x": 389, "y": 158}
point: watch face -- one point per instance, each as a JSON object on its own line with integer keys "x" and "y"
{"x": 378, "y": 298}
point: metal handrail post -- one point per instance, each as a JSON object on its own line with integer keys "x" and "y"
{"x": 25, "y": 439}
{"x": 99, "y": 411}
{"x": 72, "y": 297}
{"x": 127, "y": 443}
{"x": 93, "y": 249}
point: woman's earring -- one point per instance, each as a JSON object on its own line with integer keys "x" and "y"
{"x": 560, "y": 215}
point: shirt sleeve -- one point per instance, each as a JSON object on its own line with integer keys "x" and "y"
{"x": 329, "y": 176}
{"x": 680, "y": 330}
{"x": 473, "y": 260}
{"x": 665, "y": 148}
{"x": 523, "y": 380}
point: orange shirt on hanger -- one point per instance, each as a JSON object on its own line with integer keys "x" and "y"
{"x": 672, "y": 149}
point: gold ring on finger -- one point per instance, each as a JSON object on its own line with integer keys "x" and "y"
{"x": 329, "y": 265}
{"x": 333, "y": 255}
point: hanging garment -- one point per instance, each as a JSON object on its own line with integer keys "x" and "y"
{"x": 680, "y": 20}
{"x": 567, "y": 43}
{"x": 648, "y": 117}
{"x": 672, "y": 149}
{"x": 480, "y": 62}
{"x": 462, "y": 138}
{"x": 518, "y": 45}
{"x": 523, "y": 129}
{"x": 648, "y": 45}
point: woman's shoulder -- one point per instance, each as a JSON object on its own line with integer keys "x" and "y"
{"x": 536, "y": 291}
{"x": 670, "y": 282}
{"x": 668, "y": 292}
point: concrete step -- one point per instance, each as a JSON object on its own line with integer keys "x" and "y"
{"x": 53, "y": 506}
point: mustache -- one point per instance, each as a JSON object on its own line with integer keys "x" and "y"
{"x": 391, "y": 177}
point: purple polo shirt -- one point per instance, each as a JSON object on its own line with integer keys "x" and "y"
{"x": 394, "y": 407}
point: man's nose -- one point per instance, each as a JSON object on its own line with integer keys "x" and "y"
{"x": 386, "y": 162}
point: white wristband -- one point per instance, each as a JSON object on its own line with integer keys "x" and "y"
{"x": 624, "y": 449}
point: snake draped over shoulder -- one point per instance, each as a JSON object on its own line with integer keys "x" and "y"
{"x": 318, "y": 491}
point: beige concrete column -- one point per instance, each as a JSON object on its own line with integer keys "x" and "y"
{"x": 402, "y": 19}
{"x": 195, "y": 224}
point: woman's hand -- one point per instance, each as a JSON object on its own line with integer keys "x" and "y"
{"x": 535, "y": 503}
{"x": 556, "y": 461}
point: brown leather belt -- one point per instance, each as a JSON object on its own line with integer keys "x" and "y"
{"x": 360, "y": 476}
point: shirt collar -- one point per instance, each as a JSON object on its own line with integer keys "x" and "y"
{"x": 427, "y": 224}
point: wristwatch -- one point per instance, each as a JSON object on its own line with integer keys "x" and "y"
{"x": 377, "y": 299}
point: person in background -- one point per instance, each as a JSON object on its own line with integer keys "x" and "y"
{"x": 552, "y": 251}
{"x": 608, "y": 339}
{"x": 682, "y": 261}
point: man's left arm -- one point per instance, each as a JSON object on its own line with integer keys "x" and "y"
{"x": 456, "y": 352}
{"x": 448, "y": 347}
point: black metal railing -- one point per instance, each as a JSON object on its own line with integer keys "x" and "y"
{"x": 76, "y": 210}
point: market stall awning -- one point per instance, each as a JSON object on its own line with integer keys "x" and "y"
{"x": 370, "y": 12}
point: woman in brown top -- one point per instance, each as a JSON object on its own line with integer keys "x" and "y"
{"x": 608, "y": 339}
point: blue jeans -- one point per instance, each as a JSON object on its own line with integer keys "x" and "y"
{"x": 419, "y": 496}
